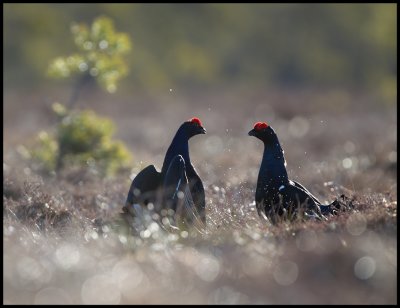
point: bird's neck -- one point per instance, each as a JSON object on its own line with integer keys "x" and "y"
{"x": 179, "y": 146}
{"x": 273, "y": 170}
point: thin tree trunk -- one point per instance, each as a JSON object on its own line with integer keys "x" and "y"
{"x": 80, "y": 84}
{"x": 82, "y": 81}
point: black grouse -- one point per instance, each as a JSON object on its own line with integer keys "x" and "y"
{"x": 177, "y": 187}
{"x": 276, "y": 196}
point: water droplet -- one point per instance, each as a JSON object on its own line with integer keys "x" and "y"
{"x": 28, "y": 268}
{"x": 347, "y": 163}
{"x": 153, "y": 227}
{"x": 392, "y": 157}
{"x": 103, "y": 44}
{"x": 83, "y": 66}
{"x": 94, "y": 71}
{"x": 349, "y": 147}
{"x": 286, "y": 273}
{"x": 52, "y": 296}
{"x": 180, "y": 195}
{"x": 356, "y": 224}
{"x": 298, "y": 127}
{"x": 225, "y": 296}
{"x": 67, "y": 256}
{"x": 87, "y": 45}
{"x": 128, "y": 275}
{"x": 306, "y": 240}
{"x": 145, "y": 234}
{"x": 208, "y": 268}
{"x": 364, "y": 268}
{"x": 122, "y": 239}
{"x": 111, "y": 88}
{"x": 100, "y": 289}
{"x": 94, "y": 235}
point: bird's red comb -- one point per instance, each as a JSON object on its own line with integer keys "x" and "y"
{"x": 260, "y": 125}
{"x": 195, "y": 120}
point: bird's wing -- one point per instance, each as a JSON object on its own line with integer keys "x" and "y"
{"x": 299, "y": 197}
{"x": 143, "y": 186}
{"x": 197, "y": 190}
{"x": 297, "y": 184}
{"x": 190, "y": 211}
{"x": 260, "y": 197}
{"x": 177, "y": 195}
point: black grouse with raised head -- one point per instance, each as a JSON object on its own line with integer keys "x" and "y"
{"x": 276, "y": 196}
{"x": 177, "y": 186}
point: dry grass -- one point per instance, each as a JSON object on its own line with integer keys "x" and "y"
{"x": 61, "y": 243}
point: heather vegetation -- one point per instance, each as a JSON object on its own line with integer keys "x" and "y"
{"x": 323, "y": 75}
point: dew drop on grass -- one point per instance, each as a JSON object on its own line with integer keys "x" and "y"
{"x": 145, "y": 234}
{"x": 128, "y": 275}
{"x": 349, "y": 147}
{"x": 208, "y": 268}
{"x": 8, "y": 231}
{"x": 87, "y": 45}
{"x": 67, "y": 256}
{"x": 153, "y": 227}
{"x": 122, "y": 239}
{"x": 150, "y": 206}
{"x": 83, "y": 66}
{"x": 306, "y": 240}
{"x": 392, "y": 157}
{"x": 94, "y": 71}
{"x": 286, "y": 273}
{"x": 94, "y": 235}
{"x": 100, "y": 289}
{"x": 103, "y": 44}
{"x": 52, "y": 296}
{"x": 347, "y": 163}
{"x": 356, "y": 224}
{"x": 180, "y": 195}
{"x": 364, "y": 268}
{"x": 299, "y": 127}
{"x": 173, "y": 237}
{"x": 224, "y": 296}
{"x": 28, "y": 269}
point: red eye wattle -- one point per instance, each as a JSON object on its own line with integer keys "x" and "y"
{"x": 260, "y": 125}
{"x": 195, "y": 120}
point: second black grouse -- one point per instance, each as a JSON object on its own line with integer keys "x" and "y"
{"x": 276, "y": 196}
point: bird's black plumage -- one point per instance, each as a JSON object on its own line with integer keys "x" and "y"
{"x": 276, "y": 196}
{"x": 177, "y": 186}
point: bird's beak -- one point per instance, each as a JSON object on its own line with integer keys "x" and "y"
{"x": 252, "y": 133}
{"x": 203, "y": 130}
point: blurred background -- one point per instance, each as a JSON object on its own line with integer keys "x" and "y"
{"x": 206, "y": 46}
{"x": 324, "y": 76}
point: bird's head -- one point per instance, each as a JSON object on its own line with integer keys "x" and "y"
{"x": 264, "y": 132}
{"x": 193, "y": 127}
